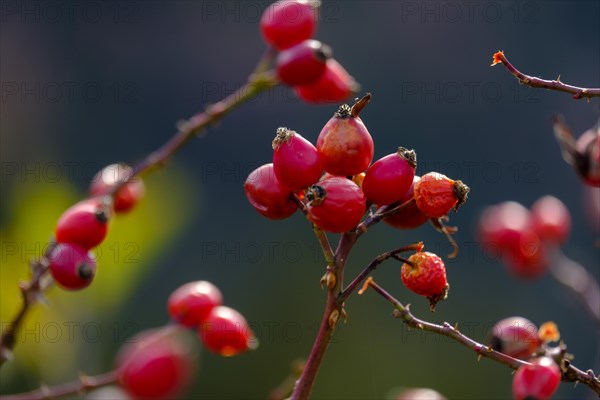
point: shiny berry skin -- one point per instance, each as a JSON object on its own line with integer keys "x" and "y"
{"x": 128, "y": 196}
{"x": 85, "y": 224}
{"x": 409, "y": 217}
{"x": 344, "y": 144}
{"x": 516, "y": 337}
{"x": 436, "y": 194}
{"x": 191, "y": 303}
{"x": 334, "y": 86}
{"x": 267, "y": 195}
{"x": 537, "y": 381}
{"x": 303, "y": 63}
{"x": 296, "y": 162}
{"x": 336, "y": 204}
{"x": 288, "y": 22}
{"x": 551, "y": 219}
{"x": 226, "y": 332}
{"x": 72, "y": 266}
{"x": 155, "y": 365}
{"x": 425, "y": 274}
{"x": 390, "y": 177}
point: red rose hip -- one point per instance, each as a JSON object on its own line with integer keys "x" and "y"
{"x": 267, "y": 195}
{"x": 303, "y": 63}
{"x": 226, "y": 332}
{"x": 344, "y": 144}
{"x": 192, "y": 302}
{"x": 128, "y": 196}
{"x": 85, "y": 224}
{"x": 409, "y": 217}
{"x": 390, "y": 177}
{"x": 516, "y": 337}
{"x": 537, "y": 381}
{"x": 296, "y": 162}
{"x": 425, "y": 274}
{"x": 288, "y": 22}
{"x": 336, "y": 204}
{"x": 72, "y": 266}
{"x": 436, "y": 194}
{"x": 551, "y": 219}
{"x": 334, "y": 86}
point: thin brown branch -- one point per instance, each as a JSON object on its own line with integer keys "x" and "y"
{"x": 570, "y": 373}
{"x": 83, "y": 385}
{"x": 381, "y": 213}
{"x": 577, "y": 92}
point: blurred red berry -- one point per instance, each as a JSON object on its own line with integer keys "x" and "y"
{"x": 344, "y": 144}
{"x": 226, "y": 332}
{"x": 85, "y": 224}
{"x": 128, "y": 196}
{"x": 410, "y": 216}
{"x": 336, "y": 204}
{"x": 191, "y": 303}
{"x": 267, "y": 195}
{"x": 425, "y": 274}
{"x": 551, "y": 219}
{"x": 516, "y": 337}
{"x": 436, "y": 194}
{"x": 296, "y": 162}
{"x": 303, "y": 63}
{"x": 288, "y": 22}
{"x": 72, "y": 266}
{"x": 155, "y": 365}
{"x": 390, "y": 177}
{"x": 537, "y": 381}
{"x": 334, "y": 86}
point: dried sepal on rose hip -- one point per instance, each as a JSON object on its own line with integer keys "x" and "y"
{"x": 538, "y": 380}
{"x": 425, "y": 274}
{"x": 344, "y": 144}
{"x": 302, "y": 64}
{"x": 226, "y": 332}
{"x": 191, "y": 303}
{"x": 390, "y": 177}
{"x": 336, "y": 204}
{"x": 296, "y": 162}
{"x": 156, "y": 364}
{"x": 436, "y": 194}
{"x": 84, "y": 224}
{"x": 72, "y": 266}
{"x": 267, "y": 195}
{"x": 128, "y": 196}
{"x": 516, "y": 337}
{"x": 289, "y": 22}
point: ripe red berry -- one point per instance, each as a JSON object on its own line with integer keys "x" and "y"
{"x": 288, "y": 22}
{"x": 425, "y": 274}
{"x": 72, "y": 266}
{"x": 551, "y": 219}
{"x": 226, "y": 332}
{"x": 344, "y": 144}
{"x": 128, "y": 196}
{"x": 296, "y": 162}
{"x": 267, "y": 195}
{"x": 334, "y": 86}
{"x": 303, "y": 63}
{"x": 409, "y": 217}
{"x": 336, "y": 204}
{"x": 155, "y": 364}
{"x": 436, "y": 194}
{"x": 191, "y": 303}
{"x": 516, "y": 337}
{"x": 537, "y": 381}
{"x": 390, "y": 177}
{"x": 85, "y": 224}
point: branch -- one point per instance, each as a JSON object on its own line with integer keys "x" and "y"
{"x": 380, "y": 214}
{"x": 533, "y": 81}
{"x": 83, "y": 385}
{"x": 570, "y": 373}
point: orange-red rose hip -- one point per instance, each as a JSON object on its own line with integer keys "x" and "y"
{"x": 436, "y": 194}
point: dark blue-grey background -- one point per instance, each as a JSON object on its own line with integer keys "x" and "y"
{"x": 137, "y": 67}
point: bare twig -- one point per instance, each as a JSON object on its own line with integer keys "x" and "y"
{"x": 577, "y": 92}
{"x": 570, "y": 373}
{"x": 83, "y": 385}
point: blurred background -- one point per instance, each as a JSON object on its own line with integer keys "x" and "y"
{"x": 88, "y": 84}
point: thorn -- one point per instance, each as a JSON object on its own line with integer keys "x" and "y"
{"x": 365, "y": 285}
{"x": 456, "y": 326}
{"x": 558, "y": 79}
{"x": 344, "y": 314}
{"x": 478, "y": 357}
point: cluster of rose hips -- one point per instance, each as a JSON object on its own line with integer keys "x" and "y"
{"x": 158, "y": 363}
{"x": 525, "y": 237}
{"x": 335, "y": 183}
{"x": 84, "y": 226}
{"x": 302, "y": 62}
{"x": 520, "y": 338}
